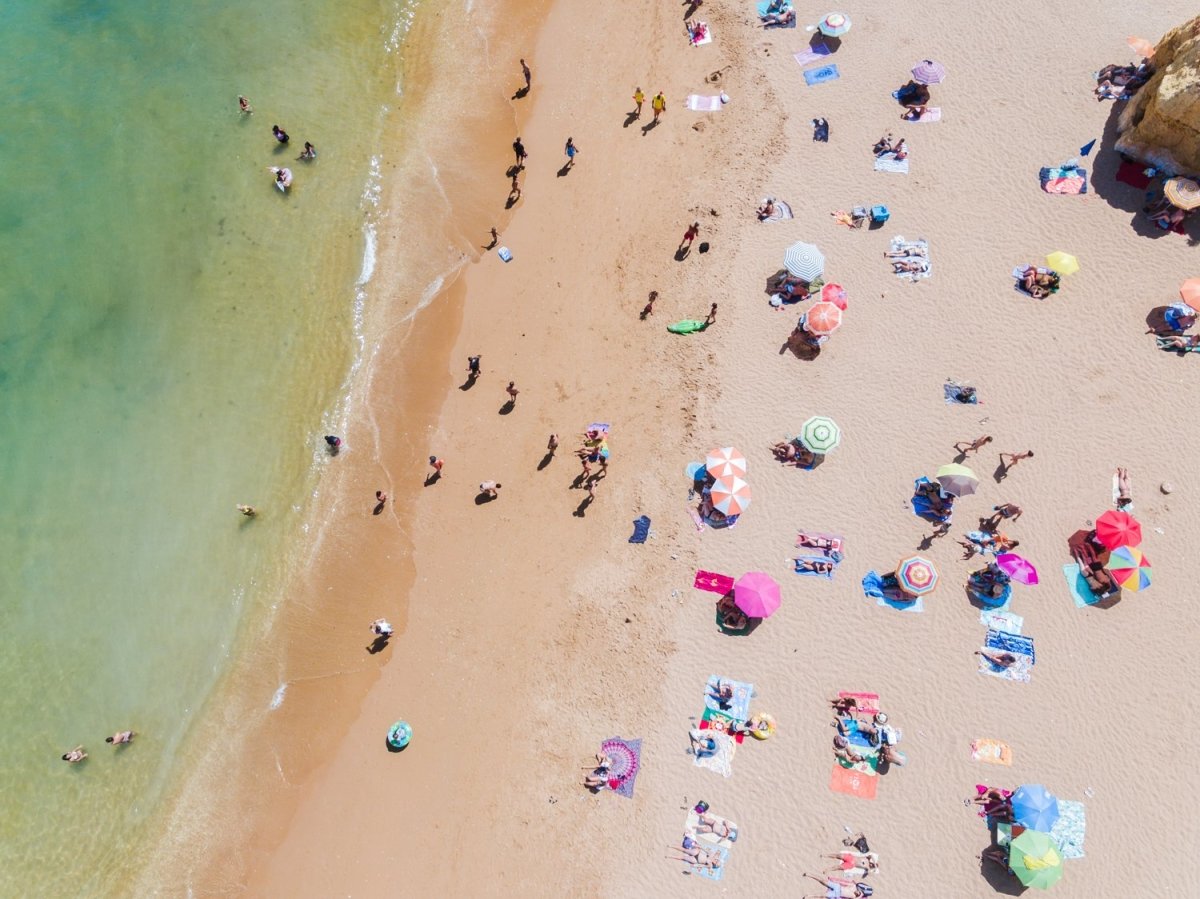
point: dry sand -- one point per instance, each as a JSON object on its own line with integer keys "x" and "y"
{"x": 534, "y": 630}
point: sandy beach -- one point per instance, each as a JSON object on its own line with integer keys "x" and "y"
{"x": 529, "y": 629}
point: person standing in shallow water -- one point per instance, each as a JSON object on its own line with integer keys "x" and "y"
{"x": 527, "y": 75}
{"x": 280, "y": 134}
{"x": 519, "y": 152}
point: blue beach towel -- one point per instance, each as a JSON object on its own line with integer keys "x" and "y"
{"x": 951, "y": 390}
{"x": 739, "y": 706}
{"x": 1080, "y": 591}
{"x": 828, "y": 575}
{"x": 1014, "y": 643}
{"x": 713, "y": 873}
{"x": 1070, "y": 828}
{"x": 641, "y": 529}
{"x": 992, "y": 602}
{"x": 922, "y": 508}
{"x": 872, "y": 584}
{"x": 820, "y": 75}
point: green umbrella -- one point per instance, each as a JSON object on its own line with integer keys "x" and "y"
{"x": 820, "y": 435}
{"x": 1035, "y": 859}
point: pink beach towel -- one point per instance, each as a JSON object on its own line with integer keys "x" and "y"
{"x": 713, "y": 582}
{"x": 804, "y": 57}
{"x": 865, "y": 702}
{"x": 1072, "y": 185}
{"x": 853, "y": 782}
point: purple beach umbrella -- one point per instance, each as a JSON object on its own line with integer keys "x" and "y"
{"x": 929, "y": 72}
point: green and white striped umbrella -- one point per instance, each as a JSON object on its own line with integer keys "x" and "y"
{"x": 820, "y": 435}
{"x": 804, "y": 261}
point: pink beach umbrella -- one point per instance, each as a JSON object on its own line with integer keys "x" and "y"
{"x": 756, "y": 594}
{"x": 1018, "y": 568}
{"x": 730, "y": 496}
{"x": 834, "y": 293}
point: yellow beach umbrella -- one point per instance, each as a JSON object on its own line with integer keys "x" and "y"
{"x": 1182, "y": 193}
{"x": 1063, "y": 263}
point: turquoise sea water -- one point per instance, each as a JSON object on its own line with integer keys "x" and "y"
{"x": 175, "y": 339}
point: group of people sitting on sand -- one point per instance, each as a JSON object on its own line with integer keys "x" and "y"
{"x": 1115, "y": 82}
{"x": 850, "y": 721}
{"x": 884, "y": 146}
{"x": 989, "y": 582}
{"x": 778, "y": 12}
{"x": 1039, "y": 283}
{"x": 600, "y": 776}
{"x": 731, "y": 617}
{"x": 1091, "y": 566}
{"x": 1166, "y": 215}
{"x": 786, "y": 286}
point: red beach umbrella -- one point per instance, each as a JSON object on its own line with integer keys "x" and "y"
{"x": 1115, "y": 529}
{"x": 836, "y": 294}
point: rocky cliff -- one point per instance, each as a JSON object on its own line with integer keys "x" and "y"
{"x": 1161, "y": 124}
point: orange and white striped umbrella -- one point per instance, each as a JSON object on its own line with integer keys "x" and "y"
{"x": 730, "y": 495}
{"x": 823, "y": 318}
{"x": 1141, "y": 47}
{"x": 721, "y": 463}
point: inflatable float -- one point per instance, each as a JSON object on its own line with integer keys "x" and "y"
{"x": 399, "y": 735}
{"x": 283, "y": 177}
{"x": 687, "y": 326}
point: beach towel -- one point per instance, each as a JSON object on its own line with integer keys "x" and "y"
{"x": 1064, "y": 180}
{"x": 782, "y": 212}
{"x": 857, "y": 739}
{"x": 828, "y": 575}
{"x": 713, "y": 582}
{"x": 1014, "y": 643}
{"x": 700, "y": 525}
{"x": 698, "y": 103}
{"x": 1018, "y": 671}
{"x": 812, "y": 54}
{"x": 813, "y": 77}
{"x": 739, "y": 705}
{"x": 692, "y": 824}
{"x": 627, "y": 762}
{"x": 760, "y": 9}
{"x": 1078, "y": 585}
{"x": 835, "y": 541}
{"x": 887, "y": 162}
{"x": 641, "y": 529}
{"x": 700, "y": 42}
{"x": 899, "y": 243}
{"x": 1133, "y": 174}
{"x": 1001, "y": 620}
{"x": 713, "y": 720}
{"x": 931, "y": 114}
{"x": 713, "y": 873}
{"x": 951, "y": 390}
{"x": 994, "y": 752}
{"x": 923, "y": 509}
{"x": 853, "y": 782}
{"x": 720, "y": 761}
{"x": 1070, "y": 828}
{"x": 863, "y": 702}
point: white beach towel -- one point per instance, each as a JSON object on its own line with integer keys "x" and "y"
{"x": 889, "y": 163}
{"x": 707, "y": 39}
{"x": 1006, "y": 622}
{"x": 697, "y": 103}
{"x": 782, "y": 211}
{"x": 720, "y": 761}
{"x": 1018, "y": 671}
{"x": 1116, "y": 496}
{"x": 898, "y": 244}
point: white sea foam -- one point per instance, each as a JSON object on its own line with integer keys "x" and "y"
{"x": 277, "y": 699}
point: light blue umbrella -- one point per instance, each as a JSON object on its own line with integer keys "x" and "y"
{"x": 1034, "y": 807}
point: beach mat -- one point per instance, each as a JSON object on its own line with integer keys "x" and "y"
{"x": 812, "y": 54}
{"x": 813, "y": 77}
{"x": 782, "y": 212}
{"x": 711, "y": 839}
{"x": 1001, "y": 620}
{"x": 1133, "y": 174}
{"x": 714, "y": 720}
{"x": 713, "y": 873}
{"x": 1018, "y": 671}
{"x": 698, "y": 103}
{"x": 889, "y": 163}
{"x": 1078, "y": 586}
{"x": 853, "y": 782}
{"x": 950, "y": 392}
{"x": 828, "y": 575}
{"x": 720, "y": 761}
{"x": 713, "y": 582}
{"x": 1064, "y": 181}
{"x": 898, "y": 243}
{"x": 707, "y": 39}
{"x": 931, "y": 114}
{"x": 1070, "y": 828}
{"x": 994, "y": 752}
{"x": 641, "y": 529}
{"x": 739, "y": 706}
{"x": 629, "y": 748}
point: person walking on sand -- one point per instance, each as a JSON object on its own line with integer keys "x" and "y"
{"x": 712, "y": 316}
{"x": 638, "y": 99}
{"x": 490, "y": 489}
{"x": 551, "y": 444}
{"x": 123, "y": 736}
{"x": 514, "y": 192}
{"x": 380, "y": 499}
{"x": 280, "y": 134}
{"x": 78, "y": 754}
{"x": 527, "y": 75}
{"x": 975, "y": 445}
{"x": 381, "y": 628}
{"x": 248, "y": 511}
{"x": 519, "y": 152}
{"x": 512, "y": 392}
{"x": 689, "y": 235}
{"x": 473, "y": 370}
{"x": 244, "y": 105}
{"x": 659, "y": 105}
{"x": 1013, "y": 459}
{"x": 436, "y": 464}
{"x": 648, "y": 310}
{"x": 571, "y": 150}
{"x": 1003, "y": 512}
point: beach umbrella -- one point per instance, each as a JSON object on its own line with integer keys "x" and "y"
{"x": 820, "y": 435}
{"x": 1130, "y": 568}
{"x": 929, "y": 72}
{"x": 756, "y": 594}
{"x": 1115, "y": 529}
{"x": 836, "y": 294}
{"x": 1035, "y": 859}
{"x": 957, "y": 480}
{"x": 1183, "y": 193}
{"x": 916, "y": 575}
{"x": 835, "y": 24}
{"x": 730, "y": 495}
{"x": 1189, "y": 291}
{"x": 1063, "y": 263}
{"x": 1141, "y": 47}
{"x": 1034, "y": 807}
{"x": 804, "y": 261}
{"x": 726, "y": 461}
{"x": 1018, "y": 568}
{"x": 822, "y": 318}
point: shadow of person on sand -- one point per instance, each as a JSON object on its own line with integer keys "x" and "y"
{"x": 521, "y": 93}
{"x": 378, "y": 645}
{"x": 800, "y": 348}
{"x": 482, "y": 499}
{"x": 565, "y": 170}
{"x": 433, "y": 479}
{"x": 507, "y": 407}
{"x": 630, "y": 118}
{"x": 649, "y": 126}
{"x": 581, "y": 509}
{"x": 546, "y": 460}
{"x": 469, "y": 382}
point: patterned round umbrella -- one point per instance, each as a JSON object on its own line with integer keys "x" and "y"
{"x": 1035, "y": 858}
{"x": 1018, "y": 568}
{"x": 724, "y": 462}
{"x": 804, "y": 261}
{"x": 836, "y": 294}
{"x": 730, "y": 495}
{"x": 929, "y": 72}
{"x": 820, "y": 435}
{"x": 756, "y": 594}
{"x": 1183, "y": 193}
{"x": 957, "y": 480}
{"x": 822, "y": 318}
{"x": 1063, "y": 263}
{"x": 835, "y": 24}
{"x": 1130, "y": 568}
{"x": 1115, "y": 529}
{"x": 1189, "y": 291}
{"x": 916, "y": 575}
{"x": 1035, "y": 807}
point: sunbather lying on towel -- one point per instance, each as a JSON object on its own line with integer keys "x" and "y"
{"x": 1039, "y": 284}
{"x": 692, "y": 854}
{"x": 854, "y": 864}
{"x": 840, "y": 890}
{"x": 910, "y": 265}
{"x": 815, "y": 542}
{"x": 1098, "y": 579}
{"x": 710, "y": 823}
{"x": 913, "y": 113}
{"x": 908, "y": 250}
{"x": 784, "y": 283}
{"x": 999, "y": 659}
{"x": 1166, "y": 216}
{"x": 815, "y": 565}
{"x": 843, "y": 753}
{"x": 1179, "y": 342}
{"x": 787, "y": 17}
{"x": 704, "y": 742}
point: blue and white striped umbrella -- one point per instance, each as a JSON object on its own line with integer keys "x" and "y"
{"x": 804, "y": 261}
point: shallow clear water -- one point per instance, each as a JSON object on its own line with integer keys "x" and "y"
{"x": 174, "y": 340}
